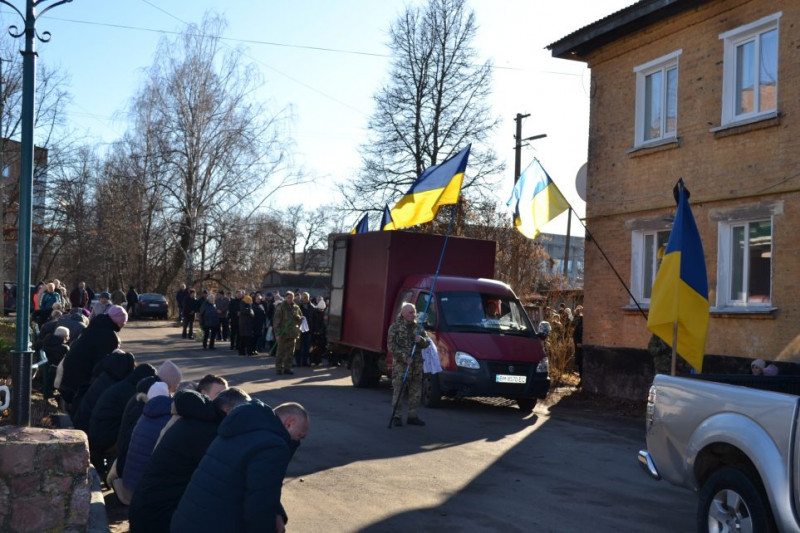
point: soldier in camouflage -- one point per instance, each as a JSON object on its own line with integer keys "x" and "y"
{"x": 286, "y": 327}
{"x": 401, "y": 339}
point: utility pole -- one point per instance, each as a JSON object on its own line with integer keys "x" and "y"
{"x": 518, "y": 144}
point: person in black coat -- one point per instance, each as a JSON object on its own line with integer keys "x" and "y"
{"x": 114, "y": 368}
{"x": 106, "y": 416}
{"x": 133, "y": 410}
{"x": 246, "y": 325}
{"x": 237, "y": 485}
{"x": 132, "y": 299}
{"x": 98, "y": 340}
{"x": 259, "y": 325}
{"x": 233, "y": 318}
{"x": 176, "y": 457}
{"x": 189, "y": 310}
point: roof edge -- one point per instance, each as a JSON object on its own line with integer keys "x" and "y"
{"x": 578, "y": 44}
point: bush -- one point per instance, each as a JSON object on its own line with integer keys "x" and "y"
{"x": 7, "y": 334}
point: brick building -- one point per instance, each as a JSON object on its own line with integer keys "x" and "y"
{"x": 706, "y": 91}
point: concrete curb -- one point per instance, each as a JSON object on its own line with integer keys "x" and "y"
{"x": 98, "y": 518}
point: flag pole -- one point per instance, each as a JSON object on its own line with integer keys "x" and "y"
{"x": 674, "y": 366}
{"x": 627, "y": 289}
{"x": 424, "y": 314}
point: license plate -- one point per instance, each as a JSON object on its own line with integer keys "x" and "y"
{"x": 152, "y": 305}
{"x": 504, "y": 378}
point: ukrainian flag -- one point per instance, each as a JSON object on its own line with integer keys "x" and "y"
{"x": 362, "y": 226}
{"x": 535, "y": 200}
{"x": 387, "y": 224}
{"x": 437, "y": 185}
{"x": 680, "y": 291}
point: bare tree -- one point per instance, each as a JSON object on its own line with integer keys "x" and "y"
{"x": 216, "y": 148}
{"x": 433, "y": 106}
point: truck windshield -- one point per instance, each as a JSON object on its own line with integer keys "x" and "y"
{"x": 478, "y": 312}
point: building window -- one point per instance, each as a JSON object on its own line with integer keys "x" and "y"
{"x": 744, "y": 270}
{"x": 657, "y": 99}
{"x": 750, "y": 71}
{"x": 647, "y": 251}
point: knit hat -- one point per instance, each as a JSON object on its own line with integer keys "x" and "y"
{"x": 159, "y": 388}
{"x": 247, "y": 299}
{"x": 321, "y": 304}
{"x": 118, "y": 315}
{"x": 759, "y": 363}
{"x": 170, "y": 374}
{"x": 105, "y": 295}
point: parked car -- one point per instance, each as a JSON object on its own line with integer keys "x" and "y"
{"x": 10, "y": 296}
{"x": 152, "y": 305}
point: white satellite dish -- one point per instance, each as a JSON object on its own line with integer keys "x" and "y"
{"x": 580, "y": 182}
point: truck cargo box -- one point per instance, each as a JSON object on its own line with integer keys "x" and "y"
{"x": 369, "y": 268}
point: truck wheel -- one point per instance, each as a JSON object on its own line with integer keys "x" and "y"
{"x": 731, "y": 501}
{"x": 526, "y": 404}
{"x": 431, "y": 391}
{"x": 363, "y": 369}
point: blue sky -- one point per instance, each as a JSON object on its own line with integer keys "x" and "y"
{"x": 105, "y": 45}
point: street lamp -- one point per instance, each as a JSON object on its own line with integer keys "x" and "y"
{"x": 22, "y": 355}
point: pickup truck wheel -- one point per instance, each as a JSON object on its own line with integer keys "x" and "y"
{"x": 731, "y": 501}
{"x": 431, "y": 391}
{"x": 526, "y": 404}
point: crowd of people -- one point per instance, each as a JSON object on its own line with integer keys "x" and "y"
{"x": 291, "y": 327}
{"x": 183, "y": 456}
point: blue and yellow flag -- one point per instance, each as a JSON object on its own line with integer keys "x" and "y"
{"x": 680, "y": 291}
{"x": 387, "y": 224}
{"x": 535, "y": 200}
{"x": 362, "y": 226}
{"x": 437, "y": 185}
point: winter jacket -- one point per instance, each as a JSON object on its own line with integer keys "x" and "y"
{"x": 47, "y": 301}
{"x": 114, "y": 368}
{"x": 155, "y": 415}
{"x": 79, "y": 297}
{"x": 246, "y": 320}
{"x": 259, "y": 319}
{"x": 208, "y": 315}
{"x": 76, "y": 323}
{"x": 95, "y": 343}
{"x": 107, "y": 414}
{"x": 133, "y": 410}
{"x": 286, "y": 323}
{"x": 223, "y": 303}
{"x": 190, "y": 307}
{"x": 132, "y": 297}
{"x": 237, "y": 485}
{"x": 173, "y": 462}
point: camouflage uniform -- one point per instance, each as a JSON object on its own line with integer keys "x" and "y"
{"x": 400, "y": 341}
{"x": 286, "y": 325}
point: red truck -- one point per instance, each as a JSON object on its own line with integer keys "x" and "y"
{"x": 487, "y": 345}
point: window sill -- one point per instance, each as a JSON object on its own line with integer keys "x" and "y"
{"x": 653, "y": 147}
{"x": 754, "y": 312}
{"x": 743, "y": 126}
{"x": 761, "y": 311}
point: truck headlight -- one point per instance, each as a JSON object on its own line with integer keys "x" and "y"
{"x": 465, "y": 360}
{"x": 544, "y": 366}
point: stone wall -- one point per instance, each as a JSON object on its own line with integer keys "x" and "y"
{"x": 44, "y": 480}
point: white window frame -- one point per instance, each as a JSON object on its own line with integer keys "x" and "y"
{"x": 638, "y": 238}
{"x": 732, "y": 39}
{"x": 725, "y": 267}
{"x": 662, "y": 64}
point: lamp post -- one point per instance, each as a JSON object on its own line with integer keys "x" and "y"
{"x": 22, "y": 355}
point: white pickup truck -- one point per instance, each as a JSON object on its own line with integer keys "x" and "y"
{"x": 738, "y": 447}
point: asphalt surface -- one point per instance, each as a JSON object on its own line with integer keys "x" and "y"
{"x": 477, "y": 466}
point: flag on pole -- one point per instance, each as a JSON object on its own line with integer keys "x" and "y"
{"x": 437, "y": 185}
{"x": 362, "y": 226}
{"x": 535, "y": 200}
{"x": 387, "y": 224}
{"x": 680, "y": 291}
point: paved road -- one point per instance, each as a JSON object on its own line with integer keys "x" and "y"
{"x": 478, "y": 466}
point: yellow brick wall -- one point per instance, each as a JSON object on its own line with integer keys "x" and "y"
{"x": 722, "y": 172}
